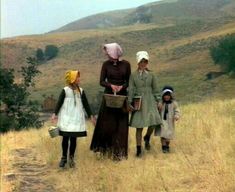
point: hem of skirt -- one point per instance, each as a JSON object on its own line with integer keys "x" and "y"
{"x": 144, "y": 126}
{"x": 73, "y": 134}
{"x": 110, "y": 153}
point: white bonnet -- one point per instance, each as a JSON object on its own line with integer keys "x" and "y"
{"x": 142, "y": 55}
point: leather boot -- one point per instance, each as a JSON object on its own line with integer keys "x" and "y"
{"x": 167, "y": 149}
{"x": 146, "y": 142}
{"x": 138, "y": 151}
{"x": 63, "y": 161}
{"x": 164, "y": 148}
{"x": 71, "y": 162}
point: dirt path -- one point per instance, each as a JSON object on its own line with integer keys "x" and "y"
{"x": 30, "y": 172}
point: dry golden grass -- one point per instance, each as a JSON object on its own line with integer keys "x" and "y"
{"x": 202, "y": 157}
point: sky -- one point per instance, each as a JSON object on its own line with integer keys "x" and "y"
{"x": 26, "y": 17}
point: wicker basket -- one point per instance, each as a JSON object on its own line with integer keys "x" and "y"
{"x": 53, "y": 131}
{"x": 114, "y": 101}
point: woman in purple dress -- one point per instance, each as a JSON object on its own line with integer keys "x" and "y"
{"x": 111, "y": 130}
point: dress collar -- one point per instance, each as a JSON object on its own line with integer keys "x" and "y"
{"x": 141, "y": 72}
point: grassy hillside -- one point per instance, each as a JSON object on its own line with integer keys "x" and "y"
{"x": 14, "y": 54}
{"x": 179, "y": 52}
{"x": 169, "y": 59}
{"x": 202, "y": 158}
{"x": 179, "y": 57}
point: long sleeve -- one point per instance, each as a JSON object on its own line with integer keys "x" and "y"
{"x": 103, "y": 76}
{"x": 60, "y": 102}
{"x": 128, "y": 73}
{"x": 155, "y": 88}
{"x": 131, "y": 89}
{"x": 176, "y": 110}
{"x": 86, "y": 104}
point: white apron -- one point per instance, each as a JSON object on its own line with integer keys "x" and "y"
{"x": 71, "y": 117}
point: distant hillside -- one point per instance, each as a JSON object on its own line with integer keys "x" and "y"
{"x": 103, "y": 20}
{"x": 161, "y": 13}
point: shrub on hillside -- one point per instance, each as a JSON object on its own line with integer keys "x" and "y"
{"x": 51, "y": 51}
{"x": 40, "y": 55}
{"x": 17, "y": 112}
{"x": 223, "y": 53}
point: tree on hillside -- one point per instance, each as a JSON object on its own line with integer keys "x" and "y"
{"x": 223, "y": 53}
{"x": 142, "y": 14}
{"x": 17, "y": 112}
{"x": 39, "y": 55}
{"x": 51, "y": 51}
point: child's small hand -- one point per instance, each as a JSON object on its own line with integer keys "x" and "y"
{"x": 159, "y": 106}
{"x": 54, "y": 118}
{"x": 176, "y": 118}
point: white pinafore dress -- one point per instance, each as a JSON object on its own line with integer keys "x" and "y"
{"x": 71, "y": 118}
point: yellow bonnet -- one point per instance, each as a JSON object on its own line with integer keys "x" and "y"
{"x": 70, "y": 76}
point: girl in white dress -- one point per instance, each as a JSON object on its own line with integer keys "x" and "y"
{"x": 71, "y": 117}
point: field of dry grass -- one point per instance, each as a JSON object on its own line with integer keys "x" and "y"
{"x": 202, "y": 158}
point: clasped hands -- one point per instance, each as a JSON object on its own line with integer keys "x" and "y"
{"x": 116, "y": 88}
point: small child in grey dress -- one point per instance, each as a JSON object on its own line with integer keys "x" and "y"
{"x": 170, "y": 113}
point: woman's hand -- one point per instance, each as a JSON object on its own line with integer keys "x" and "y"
{"x": 130, "y": 108}
{"x": 93, "y": 120}
{"x": 116, "y": 88}
{"x": 119, "y": 88}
